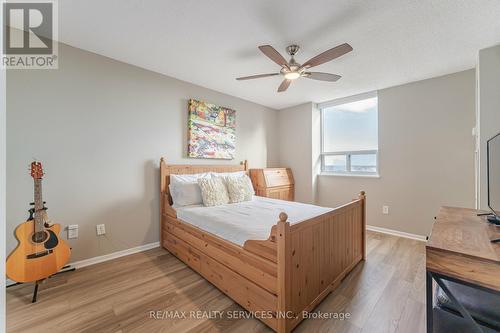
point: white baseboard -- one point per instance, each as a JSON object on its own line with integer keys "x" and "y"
{"x": 114, "y": 255}
{"x": 106, "y": 257}
{"x": 396, "y": 233}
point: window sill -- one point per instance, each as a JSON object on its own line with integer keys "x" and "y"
{"x": 356, "y": 175}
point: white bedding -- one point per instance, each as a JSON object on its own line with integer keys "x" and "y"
{"x": 239, "y": 222}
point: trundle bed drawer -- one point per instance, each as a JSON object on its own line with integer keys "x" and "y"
{"x": 249, "y": 295}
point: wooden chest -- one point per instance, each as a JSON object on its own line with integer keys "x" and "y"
{"x": 276, "y": 183}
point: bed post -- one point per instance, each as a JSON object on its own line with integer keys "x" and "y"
{"x": 284, "y": 260}
{"x": 362, "y": 197}
{"x": 245, "y": 164}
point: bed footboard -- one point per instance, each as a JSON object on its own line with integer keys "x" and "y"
{"x": 314, "y": 256}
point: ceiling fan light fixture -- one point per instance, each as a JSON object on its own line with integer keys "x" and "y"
{"x": 292, "y": 70}
{"x": 292, "y": 75}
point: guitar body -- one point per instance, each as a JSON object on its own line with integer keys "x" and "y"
{"x": 36, "y": 260}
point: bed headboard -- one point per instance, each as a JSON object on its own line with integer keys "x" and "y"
{"x": 172, "y": 169}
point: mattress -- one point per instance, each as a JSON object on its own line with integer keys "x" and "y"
{"x": 239, "y": 222}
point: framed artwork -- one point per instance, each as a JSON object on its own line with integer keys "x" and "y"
{"x": 211, "y": 130}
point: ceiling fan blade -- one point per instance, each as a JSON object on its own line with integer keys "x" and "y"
{"x": 274, "y": 55}
{"x": 328, "y": 55}
{"x": 284, "y": 85}
{"x": 322, "y": 76}
{"x": 256, "y": 76}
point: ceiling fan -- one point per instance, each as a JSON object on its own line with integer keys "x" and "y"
{"x": 292, "y": 70}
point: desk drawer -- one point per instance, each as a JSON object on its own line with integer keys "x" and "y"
{"x": 282, "y": 193}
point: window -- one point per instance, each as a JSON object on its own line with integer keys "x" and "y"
{"x": 349, "y": 135}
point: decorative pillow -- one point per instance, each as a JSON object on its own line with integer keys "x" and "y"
{"x": 239, "y": 188}
{"x": 213, "y": 191}
{"x": 237, "y": 174}
{"x": 185, "y": 190}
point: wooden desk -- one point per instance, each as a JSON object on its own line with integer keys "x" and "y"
{"x": 459, "y": 250}
{"x": 276, "y": 183}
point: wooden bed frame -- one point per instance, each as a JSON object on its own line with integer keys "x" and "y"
{"x": 278, "y": 278}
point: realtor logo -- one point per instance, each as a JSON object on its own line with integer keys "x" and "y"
{"x": 29, "y": 32}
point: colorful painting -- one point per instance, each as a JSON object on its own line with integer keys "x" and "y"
{"x": 212, "y": 131}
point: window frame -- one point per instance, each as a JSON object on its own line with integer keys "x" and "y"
{"x": 348, "y": 154}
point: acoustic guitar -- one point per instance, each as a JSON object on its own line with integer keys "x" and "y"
{"x": 40, "y": 252}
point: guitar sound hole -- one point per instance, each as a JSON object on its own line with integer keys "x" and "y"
{"x": 39, "y": 237}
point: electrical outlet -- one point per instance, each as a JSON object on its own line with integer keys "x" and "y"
{"x": 72, "y": 231}
{"x": 385, "y": 210}
{"x": 101, "y": 229}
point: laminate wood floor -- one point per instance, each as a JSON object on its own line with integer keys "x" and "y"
{"x": 384, "y": 294}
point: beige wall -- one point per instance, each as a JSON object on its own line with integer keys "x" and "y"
{"x": 296, "y": 139}
{"x": 300, "y": 148}
{"x": 426, "y": 154}
{"x": 488, "y": 117}
{"x": 100, "y": 127}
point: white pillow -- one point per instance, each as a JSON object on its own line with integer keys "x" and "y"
{"x": 185, "y": 190}
{"x": 213, "y": 191}
{"x": 189, "y": 178}
{"x": 239, "y": 189}
{"x": 229, "y": 174}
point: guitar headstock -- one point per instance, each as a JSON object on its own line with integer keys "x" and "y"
{"x": 36, "y": 170}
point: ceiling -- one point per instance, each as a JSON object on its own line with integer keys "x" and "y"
{"x": 210, "y": 43}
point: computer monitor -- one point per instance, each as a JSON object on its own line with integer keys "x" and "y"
{"x": 493, "y": 174}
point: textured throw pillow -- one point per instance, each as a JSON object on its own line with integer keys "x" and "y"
{"x": 239, "y": 188}
{"x": 213, "y": 191}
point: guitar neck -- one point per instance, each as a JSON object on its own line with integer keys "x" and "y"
{"x": 38, "y": 205}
